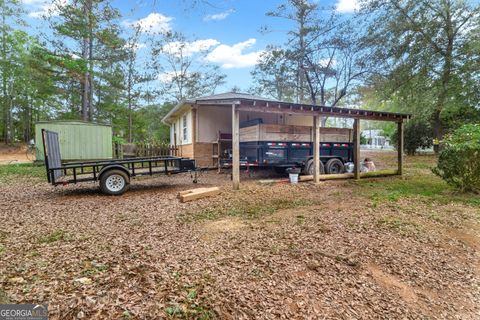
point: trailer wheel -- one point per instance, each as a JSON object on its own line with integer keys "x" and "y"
{"x": 114, "y": 182}
{"x": 334, "y": 166}
{"x": 309, "y": 167}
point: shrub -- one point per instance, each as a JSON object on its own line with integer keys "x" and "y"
{"x": 458, "y": 161}
{"x": 418, "y": 134}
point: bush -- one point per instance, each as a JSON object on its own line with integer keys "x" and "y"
{"x": 458, "y": 161}
{"x": 418, "y": 134}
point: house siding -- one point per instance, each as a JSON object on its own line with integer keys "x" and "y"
{"x": 186, "y": 150}
{"x": 177, "y": 127}
{"x": 203, "y": 154}
{"x": 211, "y": 120}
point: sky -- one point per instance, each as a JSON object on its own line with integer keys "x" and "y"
{"x": 229, "y": 29}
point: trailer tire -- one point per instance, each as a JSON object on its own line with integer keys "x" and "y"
{"x": 309, "y": 168}
{"x": 114, "y": 182}
{"x": 334, "y": 166}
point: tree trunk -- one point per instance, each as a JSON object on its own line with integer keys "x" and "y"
{"x": 130, "y": 120}
{"x": 445, "y": 81}
{"x": 86, "y": 76}
{"x": 90, "y": 61}
{"x": 5, "y": 103}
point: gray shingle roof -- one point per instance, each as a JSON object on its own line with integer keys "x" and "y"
{"x": 216, "y": 97}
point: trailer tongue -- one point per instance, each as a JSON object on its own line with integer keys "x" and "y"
{"x": 113, "y": 175}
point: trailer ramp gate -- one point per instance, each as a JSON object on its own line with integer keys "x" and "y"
{"x": 53, "y": 159}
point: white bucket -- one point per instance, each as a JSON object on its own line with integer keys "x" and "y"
{"x": 293, "y": 177}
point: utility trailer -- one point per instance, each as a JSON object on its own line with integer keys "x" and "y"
{"x": 281, "y": 155}
{"x": 113, "y": 175}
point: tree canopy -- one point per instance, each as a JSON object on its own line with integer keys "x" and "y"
{"x": 421, "y": 57}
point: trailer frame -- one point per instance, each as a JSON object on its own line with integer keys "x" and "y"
{"x": 93, "y": 170}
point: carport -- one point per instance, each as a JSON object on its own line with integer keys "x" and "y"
{"x": 316, "y": 112}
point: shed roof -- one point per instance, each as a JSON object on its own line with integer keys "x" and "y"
{"x": 72, "y": 122}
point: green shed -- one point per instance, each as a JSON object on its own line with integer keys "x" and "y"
{"x": 79, "y": 140}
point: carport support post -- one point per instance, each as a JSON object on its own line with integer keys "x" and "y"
{"x": 235, "y": 148}
{"x": 316, "y": 149}
{"x": 356, "y": 148}
{"x": 400, "y": 147}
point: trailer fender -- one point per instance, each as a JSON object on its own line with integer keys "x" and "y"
{"x": 113, "y": 166}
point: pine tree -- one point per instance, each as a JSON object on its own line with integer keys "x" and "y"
{"x": 87, "y": 35}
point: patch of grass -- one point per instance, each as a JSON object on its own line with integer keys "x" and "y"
{"x": 53, "y": 237}
{"x": 174, "y": 311}
{"x": 11, "y": 171}
{"x": 399, "y": 224}
{"x": 34, "y": 254}
{"x": 421, "y": 165}
{"x": 425, "y": 186}
{"x": 247, "y": 210}
{"x": 97, "y": 268}
{"x": 300, "y": 220}
{"x": 435, "y": 217}
{"x": 192, "y": 311}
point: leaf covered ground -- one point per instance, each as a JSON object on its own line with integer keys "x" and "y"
{"x": 386, "y": 248}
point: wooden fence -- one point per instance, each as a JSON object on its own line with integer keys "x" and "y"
{"x": 130, "y": 150}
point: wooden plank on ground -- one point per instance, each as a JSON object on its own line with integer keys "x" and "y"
{"x": 199, "y": 193}
{"x": 272, "y": 181}
{"x": 372, "y": 174}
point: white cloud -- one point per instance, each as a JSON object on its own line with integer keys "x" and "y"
{"x": 169, "y": 76}
{"x": 233, "y": 57}
{"x": 166, "y": 76}
{"x": 218, "y": 16}
{"x": 189, "y": 48}
{"x": 347, "y": 6}
{"x": 45, "y": 8}
{"x": 153, "y": 23}
{"x": 325, "y": 61}
{"x": 33, "y": 2}
{"x": 135, "y": 46}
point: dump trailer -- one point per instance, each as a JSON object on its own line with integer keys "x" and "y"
{"x": 282, "y": 146}
{"x": 113, "y": 175}
{"x": 281, "y": 155}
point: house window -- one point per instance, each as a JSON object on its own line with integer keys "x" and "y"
{"x": 184, "y": 127}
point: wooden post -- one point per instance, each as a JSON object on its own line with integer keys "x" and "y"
{"x": 356, "y": 148}
{"x": 194, "y": 127}
{"x": 400, "y": 147}
{"x": 235, "y": 148}
{"x": 316, "y": 149}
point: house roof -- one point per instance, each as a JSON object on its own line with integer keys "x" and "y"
{"x": 248, "y": 102}
{"x": 232, "y": 96}
{"x": 227, "y": 96}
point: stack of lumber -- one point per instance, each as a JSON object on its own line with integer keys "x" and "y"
{"x": 198, "y": 193}
{"x": 277, "y": 132}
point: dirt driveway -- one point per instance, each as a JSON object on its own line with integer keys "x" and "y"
{"x": 376, "y": 249}
{"x": 13, "y": 154}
